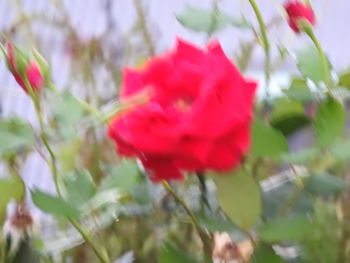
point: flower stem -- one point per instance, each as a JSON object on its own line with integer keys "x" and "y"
{"x": 324, "y": 62}
{"x": 265, "y": 44}
{"x": 53, "y": 166}
{"x": 101, "y": 254}
{"x": 204, "y": 237}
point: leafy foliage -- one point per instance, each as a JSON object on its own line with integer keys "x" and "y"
{"x": 239, "y": 197}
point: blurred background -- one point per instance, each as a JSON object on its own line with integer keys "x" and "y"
{"x": 102, "y": 36}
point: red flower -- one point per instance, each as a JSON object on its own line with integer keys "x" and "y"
{"x": 198, "y": 117}
{"x": 21, "y": 69}
{"x": 297, "y": 11}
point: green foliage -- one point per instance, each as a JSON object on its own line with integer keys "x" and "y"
{"x": 15, "y": 134}
{"x": 285, "y": 199}
{"x": 322, "y": 243}
{"x": 267, "y": 142}
{"x": 303, "y": 156}
{"x": 309, "y": 63}
{"x": 265, "y": 254}
{"x": 12, "y": 188}
{"x": 341, "y": 150}
{"x": 171, "y": 254}
{"x": 344, "y": 80}
{"x": 54, "y": 205}
{"x": 124, "y": 175}
{"x": 79, "y": 188}
{"x": 292, "y": 228}
{"x": 324, "y": 185}
{"x": 299, "y": 90}
{"x": 240, "y": 198}
{"x": 288, "y": 116}
{"x": 208, "y": 21}
{"x": 67, "y": 112}
{"x": 329, "y": 122}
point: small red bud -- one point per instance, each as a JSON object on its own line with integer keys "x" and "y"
{"x": 26, "y": 72}
{"x": 297, "y": 11}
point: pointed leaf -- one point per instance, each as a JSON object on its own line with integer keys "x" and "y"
{"x": 344, "y": 80}
{"x": 267, "y": 142}
{"x": 309, "y": 63}
{"x": 208, "y": 21}
{"x": 53, "y": 204}
{"x": 325, "y": 184}
{"x": 329, "y": 121}
{"x": 295, "y": 228}
{"x": 15, "y": 134}
{"x": 79, "y": 188}
{"x": 124, "y": 175}
{"x": 240, "y": 198}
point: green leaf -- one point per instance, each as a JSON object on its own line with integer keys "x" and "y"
{"x": 124, "y": 175}
{"x": 53, "y": 204}
{"x": 302, "y": 156}
{"x": 309, "y": 64}
{"x": 267, "y": 142}
{"x": 295, "y": 228}
{"x": 68, "y": 153}
{"x": 240, "y": 198}
{"x": 265, "y": 254}
{"x": 67, "y": 112}
{"x": 15, "y": 134}
{"x": 286, "y": 198}
{"x": 208, "y": 21}
{"x": 324, "y": 184}
{"x": 12, "y": 188}
{"x": 329, "y": 121}
{"x": 341, "y": 150}
{"x": 171, "y": 254}
{"x": 79, "y": 188}
{"x": 344, "y": 80}
{"x": 299, "y": 90}
{"x": 288, "y": 116}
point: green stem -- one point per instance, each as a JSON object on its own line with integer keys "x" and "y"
{"x": 204, "y": 237}
{"x": 266, "y": 45}
{"x": 324, "y": 62}
{"x": 53, "y": 166}
{"x": 102, "y": 255}
{"x": 203, "y": 190}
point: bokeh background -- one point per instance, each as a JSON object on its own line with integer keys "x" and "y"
{"x": 102, "y": 36}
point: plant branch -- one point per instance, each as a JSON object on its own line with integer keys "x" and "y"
{"x": 265, "y": 44}
{"x": 324, "y": 62}
{"x": 53, "y": 166}
{"x": 204, "y": 237}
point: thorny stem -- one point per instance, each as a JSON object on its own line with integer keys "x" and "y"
{"x": 265, "y": 44}
{"x": 204, "y": 237}
{"x": 324, "y": 62}
{"x": 53, "y": 166}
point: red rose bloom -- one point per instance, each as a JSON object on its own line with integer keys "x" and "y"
{"x": 197, "y": 118}
{"x": 22, "y": 68}
{"x": 296, "y": 11}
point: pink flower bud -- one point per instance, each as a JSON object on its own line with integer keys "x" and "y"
{"x": 298, "y": 11}
{"x": 26, "y": 72}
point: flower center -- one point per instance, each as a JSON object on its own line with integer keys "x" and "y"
{"x": 184, "y": 105}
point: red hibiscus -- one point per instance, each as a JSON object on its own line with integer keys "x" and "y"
{"x": 197, "y": 118}
{"x": 297, "y": 11}
{"x": 22, "y": 68}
